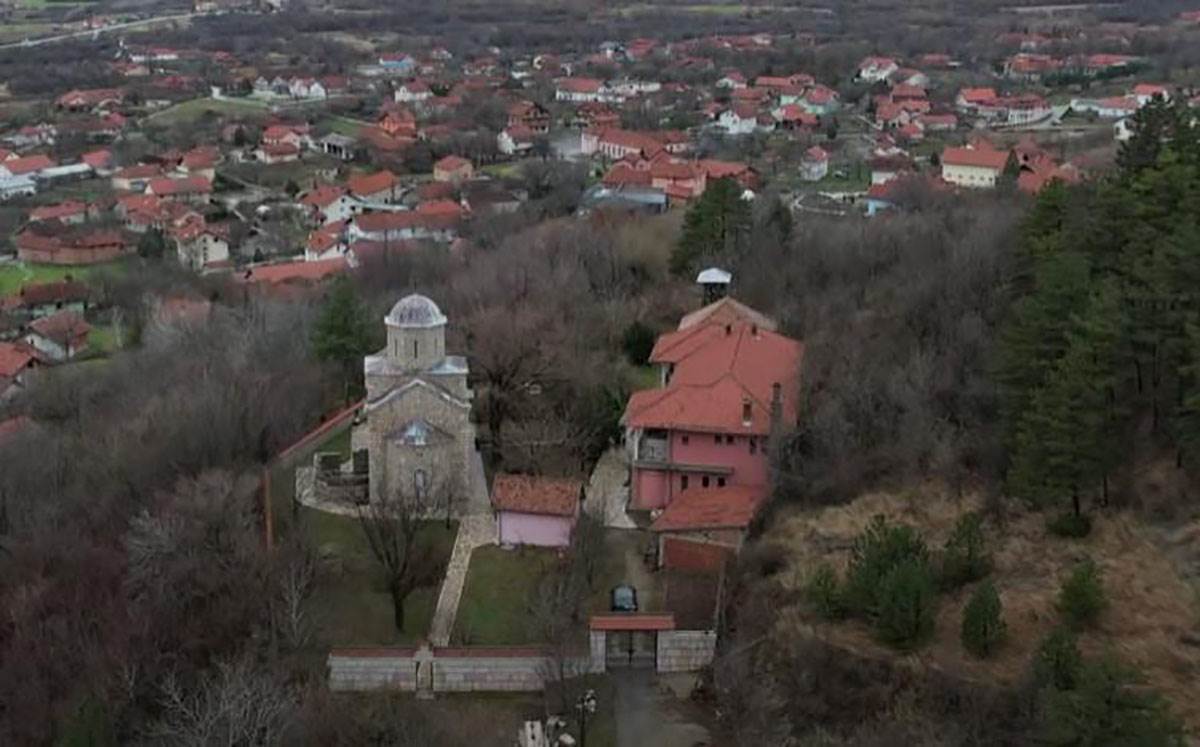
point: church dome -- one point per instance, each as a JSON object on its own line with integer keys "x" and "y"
{"x": 415, "y": 311}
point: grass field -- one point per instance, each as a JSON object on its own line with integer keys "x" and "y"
{"x": 14, "y": 275}
{"x": 190, "y": 111}
{"x": 344, "y": 125}
{"x": 351, "y": 605}
{"x": 103, "y": 339}
{"x": 15, "y": 32}
{"x": 500, "y": 585}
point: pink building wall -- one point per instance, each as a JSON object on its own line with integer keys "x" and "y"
{"x": 655, "y": 488}
{"x": 535, "y": 529}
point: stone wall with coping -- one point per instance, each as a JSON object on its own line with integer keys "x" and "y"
{"x": 685, "y": 650}
{"x": 447, "y": 670}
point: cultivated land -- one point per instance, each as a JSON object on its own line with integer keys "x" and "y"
{"x": 1155, "y": 599}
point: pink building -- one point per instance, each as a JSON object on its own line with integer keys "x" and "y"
{"x": 533, "y": 510}
{"x": 728, "y": 381}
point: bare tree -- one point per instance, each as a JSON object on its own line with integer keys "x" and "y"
{"x": 391, "y": 525}
{"x": 239, "y": 703}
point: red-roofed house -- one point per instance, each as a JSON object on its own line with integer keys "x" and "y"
{"x": 382, "y": 186}
{"x": 698, "y": 444}
{"x": 453, "y": 169}
{"x": 191, "y": 189}
{"x": 815, "y": 164}
{"x": 876, "y": 69}
{"x": 534, "y": 510}
{"x": 59, "y": 337}
{"x": 16, "y": 360}
{"x": 979, "y": 166}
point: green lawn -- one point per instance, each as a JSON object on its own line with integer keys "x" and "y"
{"x": 344, "y": 125}
{"x": 351, "y": 605}
{"x": 500, "y": 585}
{"x": 14, "y": 275}
{"x": 103, "y": 339}
{"x": 190, "y": 111}
{"x": 501, "y": 170}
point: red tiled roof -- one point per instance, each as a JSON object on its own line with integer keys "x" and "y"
{"x": 632, "y": 621}
{"x": 322, "y": 195}
{"x": 730, "y": 507}
{"x": 579, "y": 85}
{"x": 185, "y": 186}
{"x": 451, "y": 163}
{"x": 61, "y": 210}
{"x": 295, "y": 271}
{"x": 14, "y": 358}
{"x": 27, "y": 164}
{"x": 370, "y": 184}
{"x": 987, "y": 158}
{"x": 532, "y": 494}
{"x": 64, "y": 326}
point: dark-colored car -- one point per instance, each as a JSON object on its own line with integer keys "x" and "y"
{"x": 624, "y": 598}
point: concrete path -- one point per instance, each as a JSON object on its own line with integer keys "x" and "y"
{"x": 473, "y": 531}
{"x": 607, "y": 494}
{"x": 649, "y": 713}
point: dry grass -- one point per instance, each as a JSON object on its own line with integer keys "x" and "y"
{"x": 1153, "y": 608}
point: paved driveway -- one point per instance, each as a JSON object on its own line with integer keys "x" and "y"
{"x": 649, "y": 713}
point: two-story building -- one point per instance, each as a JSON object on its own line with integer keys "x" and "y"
{"x": 698, "y": 445}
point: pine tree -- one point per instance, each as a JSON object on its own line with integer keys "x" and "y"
{"x": 1108, "y": 706}
{"x": 983, "y": 628}
{"x": 906, "y": 604}
{"x": 341, "y": 334}
{"x": 714, "y": 225}
{"x": 1081, "y": 599}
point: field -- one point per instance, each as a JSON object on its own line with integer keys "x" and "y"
{"x": 1153, "y": 605}
{"x": 194, "y": 109}
{"x": 14, "y": 275}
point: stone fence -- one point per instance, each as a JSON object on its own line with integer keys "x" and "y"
{"x": 447, "y": 669}
{"x": 440, "y": 669}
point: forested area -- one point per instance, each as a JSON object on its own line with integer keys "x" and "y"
{"x": 1045, "y": 357}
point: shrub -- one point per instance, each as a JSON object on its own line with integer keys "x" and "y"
{"x": 965, "y": 558}
{"x": 983, "y": 629}
{"x": 824, "y": 593}
{"x": 638, "y": 342}
{"x": 1057, "y": 661}
{"x": 906, "y": 603}
{"x": 1081, "y": 599}
{"x": 1070, "y": 524}
{"x": 877, "y": 551}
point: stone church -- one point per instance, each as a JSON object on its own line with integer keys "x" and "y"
{"x": 418, "y": 430}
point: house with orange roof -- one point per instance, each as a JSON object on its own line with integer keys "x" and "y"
{"x": 59, "y": 337}
{"x": 698, "y": 444}
{"x": 977, "y": 166}
{"x": 454, "y": 169}
{"x": 536, "y": 510}
{"x": 379, "y": 187}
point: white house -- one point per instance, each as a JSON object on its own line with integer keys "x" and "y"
{"x": 201, "y": 249}
{"x": 14, "y": 186}
{"x": 977, "y": 167}
{"x": 876, "y": 69}
{"x": 515, "y": 140}
{"x": 411, "y": 92}
{"x": 306, "y": 88}
{"x": 1115, "y": 107}
{"x": 815, "y": 164}
{"x": 59, "y": 337}
{"x": 740, "y": 119}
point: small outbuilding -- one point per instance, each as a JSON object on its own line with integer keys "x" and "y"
{"x": 536, "y": 510}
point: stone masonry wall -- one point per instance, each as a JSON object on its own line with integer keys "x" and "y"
{"x": 685, "y": 650}
{"x": 390, "y": 669}
{"x": 443, "y": 670}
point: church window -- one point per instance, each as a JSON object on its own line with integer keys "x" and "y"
{"x": 414, "y": 349}
{"x": 421, "y": 484}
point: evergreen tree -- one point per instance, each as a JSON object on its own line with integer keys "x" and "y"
{"x": 152, "y": 244}
{"x": 341, "y": 334}
{"x": 1057, "y": 661}
{"x": 715, "y": 225}
{"x": 906, "y": 602}
{"x": 1108, "y": 706}
{"x": 964, "y": 558}
{"x": 983, "y": 628}
{"x": 1081, "y": 599}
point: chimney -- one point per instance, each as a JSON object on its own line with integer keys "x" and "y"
{"x": 747, "y": 411}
